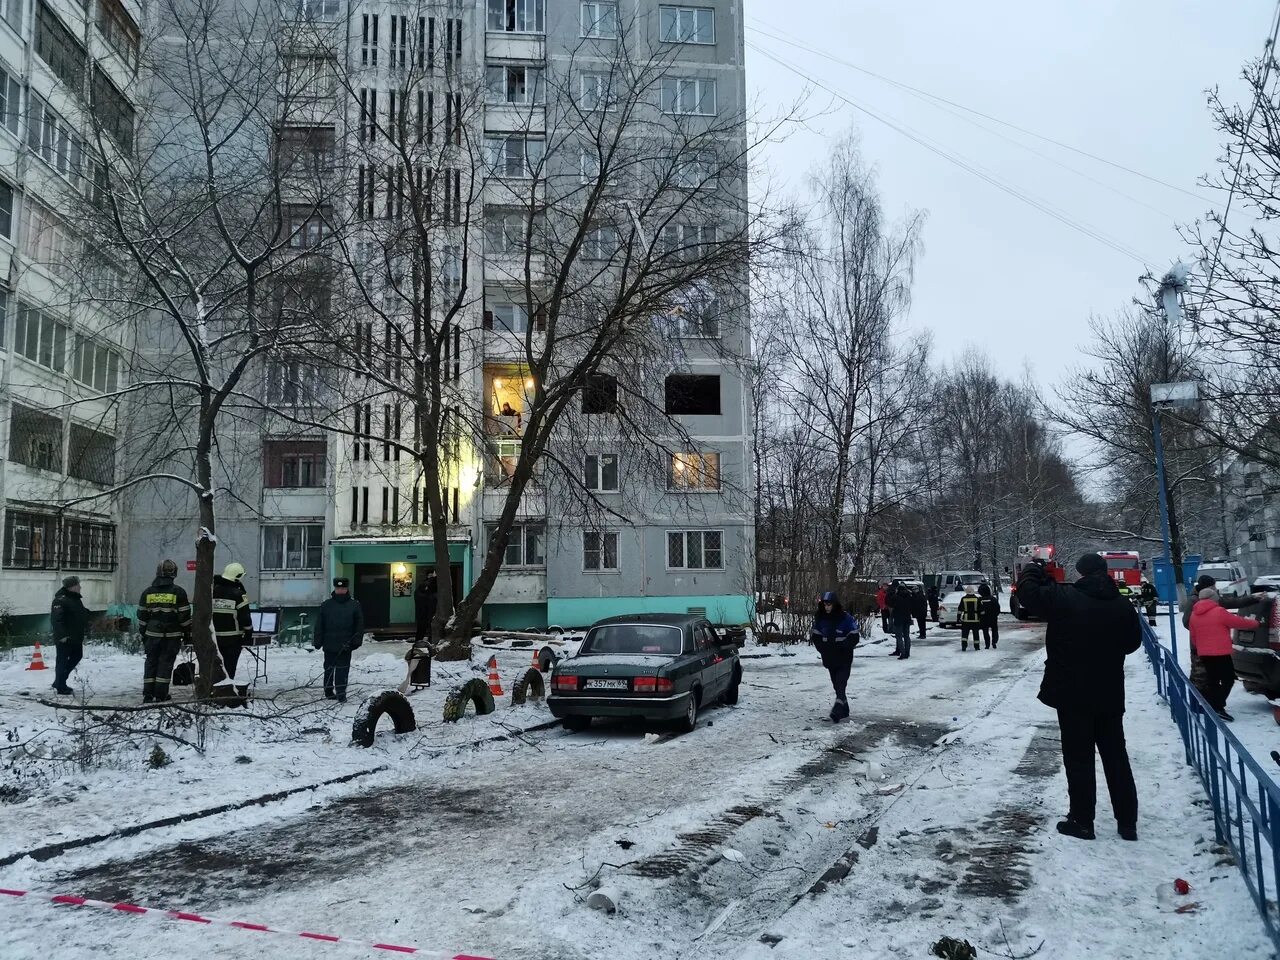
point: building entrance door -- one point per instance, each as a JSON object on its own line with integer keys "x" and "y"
{"x": 373, "y": 590}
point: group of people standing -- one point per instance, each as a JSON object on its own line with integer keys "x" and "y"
{"x": 979, "y": 613}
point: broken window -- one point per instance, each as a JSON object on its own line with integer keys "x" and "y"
{"x": 695, "y": 395}
{"x": 30, "y": 540}
{"x": 600, "y": 395}
{"x": 35, "y": 439}
{"x": 91, "y": 455}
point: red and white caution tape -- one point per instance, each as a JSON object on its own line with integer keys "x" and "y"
{"x": 66, "y": 899}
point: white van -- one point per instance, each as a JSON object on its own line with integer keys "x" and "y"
{"x": 949, "y": 581}
{"x": 1228, "y": 577}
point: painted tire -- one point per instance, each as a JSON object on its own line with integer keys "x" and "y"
{"x": 389, "y": 702}
{"x": 475, "y": 692}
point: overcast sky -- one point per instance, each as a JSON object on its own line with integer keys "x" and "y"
{"x": 1123, "y": 79}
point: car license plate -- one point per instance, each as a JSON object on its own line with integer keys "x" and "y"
{"x": 606, "y": 685}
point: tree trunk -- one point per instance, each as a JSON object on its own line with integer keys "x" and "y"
{"x": 211, "y": 670}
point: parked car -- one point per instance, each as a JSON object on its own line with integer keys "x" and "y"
{"x": 1256, "y": 653}
{"x": 771, "y": 602}
{"x": 1266, "y": 584}
{"x": 1228, "y": 577}
{"x": 656, "y": 667}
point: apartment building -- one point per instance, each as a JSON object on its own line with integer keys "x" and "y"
{"x": 63, "y": 346}
{"x": 1252, "y": 516}
{"x": 312, "y": 505}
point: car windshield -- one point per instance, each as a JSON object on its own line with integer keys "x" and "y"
{"x": 1122, "y": 563}
{"x": 971, "y": 579}
{"x": 1218, "y": 573}
{"x": 636, "y": 638}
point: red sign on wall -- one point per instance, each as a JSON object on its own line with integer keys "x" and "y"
{"x": 191, "y": 566}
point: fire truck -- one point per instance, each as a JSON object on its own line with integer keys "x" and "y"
{"x": 1125, "y": 567}
{"x": 1046, "y": 556}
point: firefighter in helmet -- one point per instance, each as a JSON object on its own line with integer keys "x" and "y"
{"x": 164, "y": 620}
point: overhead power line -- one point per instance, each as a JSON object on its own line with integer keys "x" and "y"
{"x": 964, "y": 164}
{"x": 782, "y": 36}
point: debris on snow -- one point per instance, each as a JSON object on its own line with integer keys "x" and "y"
{"x": 733, "y": 856}
{"x": 605, "y": 900}
{"x": 949, "y": 948}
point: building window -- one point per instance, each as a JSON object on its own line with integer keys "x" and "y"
{"x": 602, "y": 472}
{"x": 119, "y": 30}
{"x": 58, "y": 48}
{"x": 40, "y": 338}
{"x": 524, "y": 545}
{"x": 512, "y": 317}
{"x": 600, "y": 19}
{"x": 688, "y": 241}
{"x": 595, "y": 92}
{"x": 517, "y": 16}
{"x": 45, "y": 239}
{"x": 30, "y": 540}
{"x": 91, "y": 455}
{"x": 52, "y": 139}
{"x": 600, "y": 243}
{"x": 501, "y": 466}
{"x": 514, "y": 83}
{"x": 600, "y": 394}
{"x": 11, "y": 11}
{"x": 313, "y": 9}
{"x": 506, "y": 233}
{"x": 698, "y": 319}
{"x": 94, "y": 365}
{"x": 306, "y": 226}
{"x": 88, "y": 546}
{"x": 689, "y": 96}
{"x": 293, "y": 546}
{"x": 694, "y": 471}
{"x": 306, "y": 149}
{"x": 294, "y": 464}
{"x": 10, "y": 98}
{"x": 35, "y": 439}
{"x": 695, "y": 172}
{"x": 112, "y": 109}
{"x": 291, "y": 383}
{"x": 369, "y": 40}
{"x": 6, "y": 209}
{"x": 599, "y": 550}
{"x": 695, "y": 395}
{"x": 517, "y": 157}
{"x": 695, "y": 550}
{"x": 687, "y": 24}
{"x": 310, "y": 77}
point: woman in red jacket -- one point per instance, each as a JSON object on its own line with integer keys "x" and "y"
{"x": 1211, "y": 626}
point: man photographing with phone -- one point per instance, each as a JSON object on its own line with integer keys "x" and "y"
{"x": 1091, "y": 629}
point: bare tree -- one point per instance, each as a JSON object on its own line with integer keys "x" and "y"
{"x": 849, "y": 379}
{"x": 220, "y": 229}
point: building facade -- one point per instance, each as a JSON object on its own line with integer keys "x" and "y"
{"x": 314, "y": 504}
{"x": 63, "y": 340}
{"x": 1252, "y": 516}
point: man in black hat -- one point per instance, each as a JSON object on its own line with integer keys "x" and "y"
{"x": 1091, "y": 629}
{"x": 339, "y": 630}
{"x": 68, "y": 619}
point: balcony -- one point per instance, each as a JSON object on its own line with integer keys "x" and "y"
{"x": 507, "y": 387}
{"x": 533, "y": 503}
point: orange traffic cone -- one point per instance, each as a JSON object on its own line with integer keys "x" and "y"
{"x": 37, "y": 659}
{"x": 537, "y": 660}
{"x": 495, "y": 682}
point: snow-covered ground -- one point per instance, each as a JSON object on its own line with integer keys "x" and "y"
{"x": 935, "y": 802}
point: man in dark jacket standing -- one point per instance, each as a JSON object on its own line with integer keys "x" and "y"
{"x": 164, "y": 620}
{"x": 68, "y": 619}
{"x": 919, "y": 610}
{"x": 1091, "y": 629}
{"x": 425, "y": 600}
{"x": 232, "y": 625}
{"x": 339, "y": 630}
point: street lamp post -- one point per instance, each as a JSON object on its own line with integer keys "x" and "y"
{"x": 1164, "y": 520}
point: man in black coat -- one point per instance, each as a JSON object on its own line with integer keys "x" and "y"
{"x": 425, "y": 601}
{"x": 339, "y": 630}
{"x": 68, "y": 619}
{"x": 935, "y": 601}
{"x": 1091, "y": 629}
{"x": 919, "y": 610}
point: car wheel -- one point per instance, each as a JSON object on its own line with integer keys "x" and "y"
{"x": 731, "y": 695}
{"x": 689, "y": 721}
{"x": 576, "y": 724}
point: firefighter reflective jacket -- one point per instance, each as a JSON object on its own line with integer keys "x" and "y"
{"x": 971, "y": 608}
{"x": 164, "y": 612}
{"x": 230, "y": 608}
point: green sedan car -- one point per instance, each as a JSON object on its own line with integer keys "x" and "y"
{"x": 655, "y": 667}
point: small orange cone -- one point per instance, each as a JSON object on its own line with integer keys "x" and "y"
{"x": 495, "y": 682}
{"x": 37, "y": 659}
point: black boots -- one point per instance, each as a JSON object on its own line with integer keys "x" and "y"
{"x": 1129, "y": 833}
{"x": 840, "y": 711}
{"x": 1074, "y": 828}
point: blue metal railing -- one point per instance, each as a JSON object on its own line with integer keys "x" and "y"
{"x": 1244, "y": 797}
